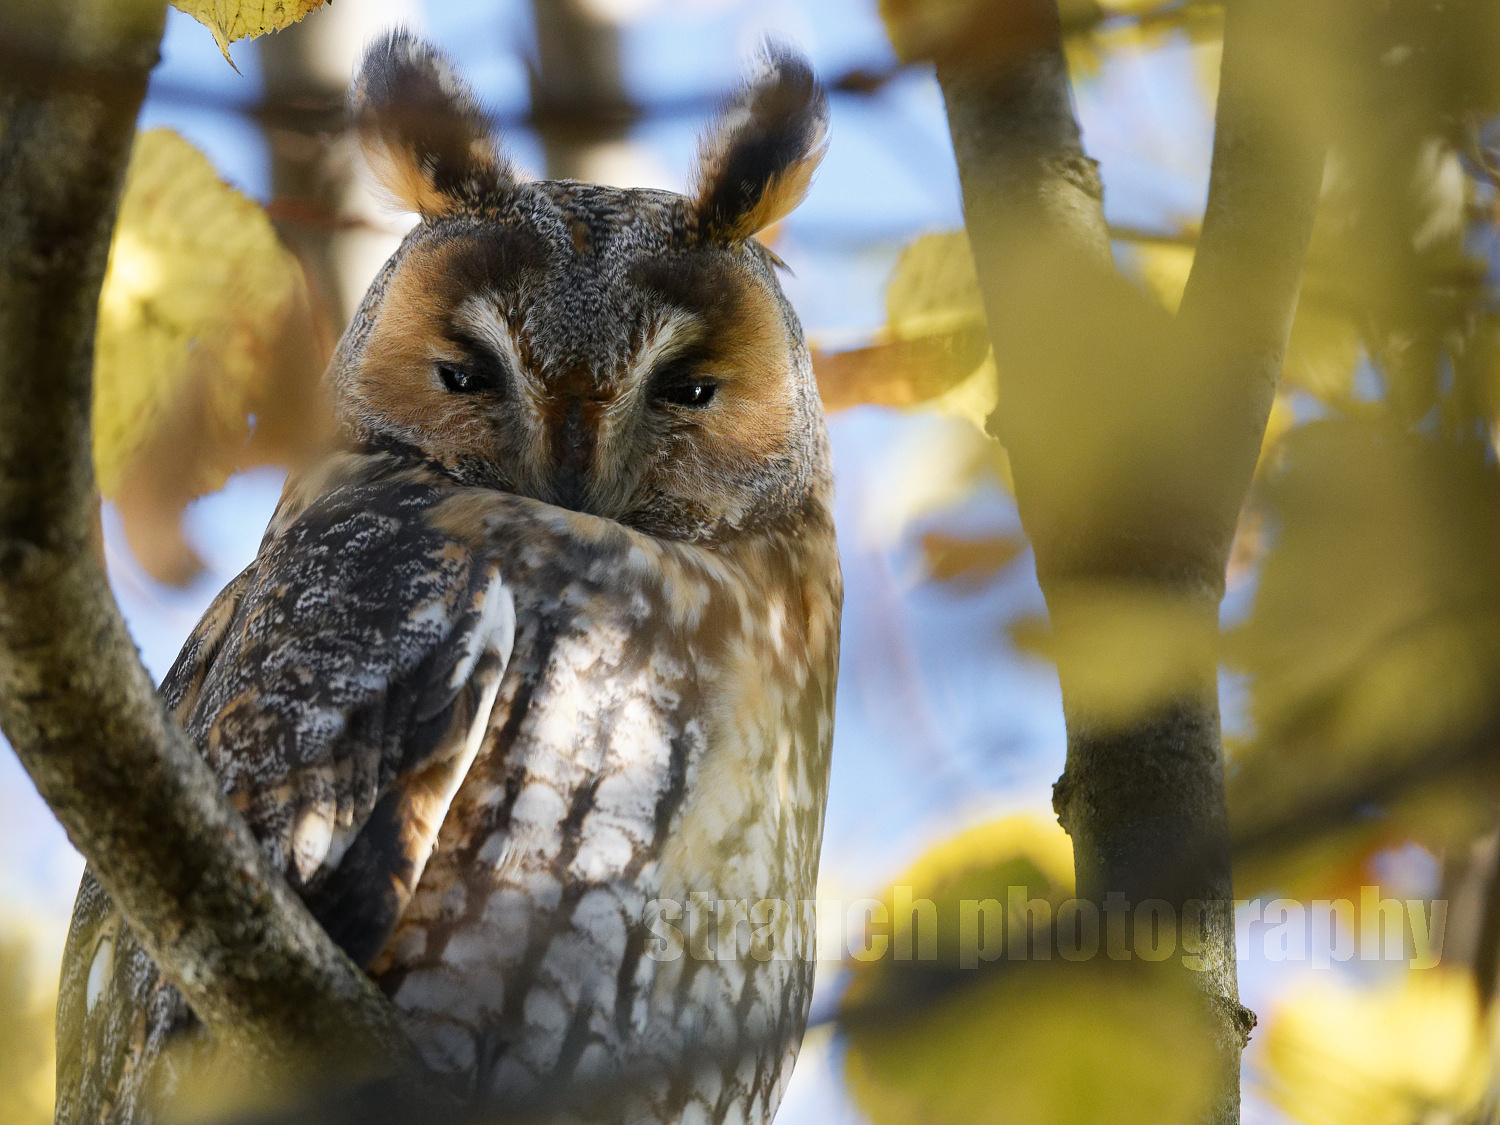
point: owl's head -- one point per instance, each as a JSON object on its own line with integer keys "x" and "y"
{"x": 623, "y": 352}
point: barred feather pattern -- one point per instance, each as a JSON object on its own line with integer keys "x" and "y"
{"x": 659, "y": 736}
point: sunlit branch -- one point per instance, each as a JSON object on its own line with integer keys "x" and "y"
{"x": 133, "y": 793}
{"x": 1131, "y": 437}
{"x": 1236, "y": 311}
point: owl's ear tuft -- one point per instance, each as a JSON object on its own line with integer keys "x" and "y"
{"x": 755, "y": 165}
{"x": 423, "y": 132}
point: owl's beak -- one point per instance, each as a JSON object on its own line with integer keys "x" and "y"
{"x": 572, "y": 451}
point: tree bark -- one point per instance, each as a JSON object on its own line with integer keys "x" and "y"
{"x": 133, "y": 793}
{"x": 1133, "y": 436}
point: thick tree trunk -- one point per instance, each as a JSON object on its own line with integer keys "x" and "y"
{"x": 131, "y": 790}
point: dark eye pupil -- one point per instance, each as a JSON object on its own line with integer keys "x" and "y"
{"x": 459, "y": 381}
{"x": 690, "y": 394}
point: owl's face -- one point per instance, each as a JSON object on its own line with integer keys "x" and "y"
{"x": 626, "y": 353}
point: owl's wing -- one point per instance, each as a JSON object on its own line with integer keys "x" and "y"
{"x": 340, "y": 688}
{"x": 350, "y": 694}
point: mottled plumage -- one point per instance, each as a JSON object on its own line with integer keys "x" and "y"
{"x": 542, "y": 660}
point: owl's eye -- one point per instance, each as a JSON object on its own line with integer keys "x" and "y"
{"x": 477, "y": 370}
{"x": 693, "y": 392}
{"x": 681, "y": 381}
{"x": 461, "y": 380}
{"x": 468, "y": 378}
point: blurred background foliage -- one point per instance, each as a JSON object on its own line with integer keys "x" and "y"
{"x": 1036, "y": 1040}
{"x": 26, "y": 1057}
{"x": 1361, "y": 649}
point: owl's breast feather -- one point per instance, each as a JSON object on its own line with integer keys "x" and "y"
{"x": 659, "y": 743}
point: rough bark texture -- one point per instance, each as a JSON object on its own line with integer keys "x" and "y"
{"x": 131, "y": 790}
{"x": 1132, "y": 438}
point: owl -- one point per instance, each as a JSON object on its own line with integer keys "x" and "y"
{"x": 529, "y": 690}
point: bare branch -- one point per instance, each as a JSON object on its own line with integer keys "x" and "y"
{"x": 1132, "y": 437}
{"x": 131, "y": 790}
{"x": 1236, "y": 312}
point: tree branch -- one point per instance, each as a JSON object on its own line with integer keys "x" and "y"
{"x": 1132, "y": 437}
{"x": 1236, "y": 311}
{"x": 133, "y": 793}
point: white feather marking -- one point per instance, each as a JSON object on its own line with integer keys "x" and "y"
{"x": 495, "y": 632}
{"x": 99, "y": 970}
{"x": 605, "y": 853}
{"x": 539, "y": 807}
{"x": 482, "y": 317}
{"x": 311, "y": 841}
{"x": 600, "y": 915}
{"x": 674, "y": 333}
{"x": 429, "y": 613}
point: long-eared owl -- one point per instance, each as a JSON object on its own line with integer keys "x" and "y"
{"x": 529, "y": 690}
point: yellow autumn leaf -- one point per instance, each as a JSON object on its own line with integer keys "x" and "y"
{"x": 973, "y": 398}
{"x": 196, "y": 297}
{"x": 934, "y": 288}
{"x": 231, "y": 20}
{"x": 901, "y": 373}
{"x": 195, "y": 271}
{"x": 969, "y": 30}
{"x": 933, "y": 295}
{"x": 1041, "y": 1043}
{"x": 1123, "y": 27}
{"x": 1130, "y": 7}
{"x": 934, "y": 350}
{"x": 1121, "y": 647}
{"x": 1324, "y": 346}
{"x": 969, "y": 560}
{"x": 1086, "y": 52}
{"x": 1084, "y": 56}
{"x": 979, "y": 863}
{"x": 1406, "y": 1052}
